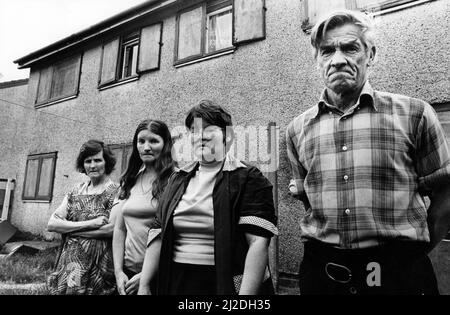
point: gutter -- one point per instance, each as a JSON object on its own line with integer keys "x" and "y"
{"x": 89, "y": 33}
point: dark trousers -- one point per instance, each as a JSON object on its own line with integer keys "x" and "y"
{"x": 400, "y": 268}
{"x": 187, "y": 279}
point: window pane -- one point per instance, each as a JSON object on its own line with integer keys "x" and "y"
{"x": 44, "y": 85}
{"x": 219, "y": 31}
{"x": 118, "y": 153}
{"x": 128, "y": 150}
{"x": 65, "y": 78}
{"x": 134, "y": 60}
{"x": 190, "y": 33}
{"x": 46, "y": 177}
{"x": 31, "y": 178}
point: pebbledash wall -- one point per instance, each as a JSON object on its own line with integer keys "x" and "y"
{"x": 272, "y": 80}
{"x": 14, "y": 124}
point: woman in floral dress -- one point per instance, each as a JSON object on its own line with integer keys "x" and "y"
{"x": 85, "y": 265}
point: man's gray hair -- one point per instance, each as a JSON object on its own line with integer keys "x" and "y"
{"x": 340, "y": 18}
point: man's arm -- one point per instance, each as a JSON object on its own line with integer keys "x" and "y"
{"x": 439, "y": 215}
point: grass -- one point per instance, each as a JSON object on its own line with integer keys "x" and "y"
{"x": 24, "y": 268}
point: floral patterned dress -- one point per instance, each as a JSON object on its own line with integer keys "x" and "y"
{"x": 85, "y": 265}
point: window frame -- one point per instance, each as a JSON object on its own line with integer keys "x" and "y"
{"x": 123, "y": 41}
{"x": 49, "y": 100}
{"x": 385, "y": 7}
{"x": 208, "y": 17}
{"x": 132, "y": 39}
{"x": 203, "y": 55}
{"x": 40, "y": 158}
{"x": 124, "y": 147}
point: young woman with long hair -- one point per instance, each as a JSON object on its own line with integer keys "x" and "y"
{"x": 149, "y": 167}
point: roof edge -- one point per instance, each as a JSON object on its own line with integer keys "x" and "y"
{"x": 8, "y": 84}
{"x": 103, "y": 26}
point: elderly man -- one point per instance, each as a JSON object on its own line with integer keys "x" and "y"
{"x": 362, "y": 162}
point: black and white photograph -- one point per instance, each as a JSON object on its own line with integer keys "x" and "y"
{"x": 225, "y": 154}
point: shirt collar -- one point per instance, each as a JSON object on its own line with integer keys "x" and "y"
{"x": 230, "y": 164}
{"x": 367, "y": 94}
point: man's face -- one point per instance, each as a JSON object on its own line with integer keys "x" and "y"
{"x": 343, "y": 59}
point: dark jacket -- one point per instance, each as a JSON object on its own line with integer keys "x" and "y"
{"x": 242, "y": 201}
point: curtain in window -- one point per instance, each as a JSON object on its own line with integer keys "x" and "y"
{"x": 220, "y": 32}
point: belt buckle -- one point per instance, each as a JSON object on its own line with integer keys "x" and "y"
{"x": 349, "y": 272}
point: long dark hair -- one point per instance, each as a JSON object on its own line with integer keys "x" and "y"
{"x": 164, "y": 165}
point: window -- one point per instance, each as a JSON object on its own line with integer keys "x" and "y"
{"x": 215, "y": 27}
{"x": 59, "y": 81}
{"x": 124, "y": 58}
{"x": 316, "y": 8}
{"x": 39, "y": 177}
{"x": 129, "y": 56}
{"x": 218, "y": 30}
{"x": 122, "y": 153}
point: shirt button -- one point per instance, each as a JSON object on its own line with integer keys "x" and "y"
{"x": 346, "y": 177}
{"x": 344, "y": 148}
{"x": 347, "y": 211}
{"x": 353, "y": 290}
{"x": 331, "y": 113}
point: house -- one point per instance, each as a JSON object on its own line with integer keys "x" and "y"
{"x": 163, "y": 56}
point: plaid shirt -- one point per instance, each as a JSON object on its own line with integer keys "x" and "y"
{"x": 361, "y": 174}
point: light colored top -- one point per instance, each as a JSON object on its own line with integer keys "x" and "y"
{"x": 193, "y": 219}
{"x": 138, "y": 213}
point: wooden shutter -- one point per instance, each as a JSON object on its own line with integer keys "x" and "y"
{"x": 190, "y": 33}
{"x": 351, "y": 4}
{"x": 110, "y": 58}
{"x": 150, "y": 48}
{"x": 318, "y": 8}
{"x": 45, "y": 83}
{"x": 66, "y": 78}
{"x": 46, "y": 178}
{"x": 249, "y": 20}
